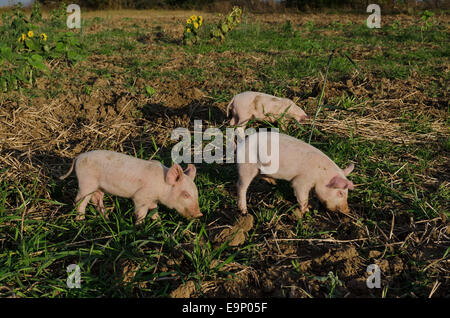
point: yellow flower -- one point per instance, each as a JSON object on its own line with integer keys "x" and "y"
{"x": 188, "y": 30}
{"x": 188, "y": 21}
{"x": 43, "y": 36}
{"x": 30, "y": 34}
{"x": 193, "y": 17}
{"x": 196, "y": 25}
{"x": 200, "y": 19}
{"x": 22, "y": 37}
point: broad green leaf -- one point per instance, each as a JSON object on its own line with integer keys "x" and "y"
{"x": 30, "y": 44}
{"x": 150, "y": 90}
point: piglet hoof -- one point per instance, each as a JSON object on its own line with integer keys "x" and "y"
{"x": 242, "y": 207}
{"x": 300, "y": 213}
{"x": 155, "y": 216}
{"x": 105, "y": 215}
{"x": 79, "y": 217}
{"x": 270, "y": 180}
{"x": 139, "y": 222}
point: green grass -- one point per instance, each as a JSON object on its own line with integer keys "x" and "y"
{"x": 38, "y": 251}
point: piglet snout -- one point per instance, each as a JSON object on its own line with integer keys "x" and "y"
{"x": 193, "y": 214}
{"x": 197, "y": 214}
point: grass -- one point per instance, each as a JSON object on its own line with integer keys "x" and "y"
{"x": 400, "y": 147}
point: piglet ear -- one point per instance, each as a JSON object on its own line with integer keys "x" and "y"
{"x": 174, "y": 174}
{"x": 349, "y": 169}
{"x": 190, "y": 171}
{"x": 337, "y": 182}
{"x": 350, "y": 184}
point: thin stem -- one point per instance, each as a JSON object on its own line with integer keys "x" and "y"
{"x": 319, "y": 104}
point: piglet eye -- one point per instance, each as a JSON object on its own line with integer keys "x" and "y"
{"x": 186, "y": 195}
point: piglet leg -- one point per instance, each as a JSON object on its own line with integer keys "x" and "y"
{"x": 97, "y": 200}
{"x": 247, "y": 172}
{"x": 301, "y": 191}
{"x": 86, "y": 189}
{"x": 152, "y": 207}
{"x": 141, "y": 210}
{"x": 82, "y": 200}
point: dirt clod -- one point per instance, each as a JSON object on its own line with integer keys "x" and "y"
{"x": 236, "y": 234}
{"x": 384, "y": 266}
{"x": 396, "y": 265}
{"x": 186, "y": 290}
{"x": 374, "y": 254}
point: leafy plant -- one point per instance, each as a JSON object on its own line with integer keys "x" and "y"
{"x": 17, "y": 68}
{"x": 36, "y": 13}
{"x": 21, "y": 49}
{"x": 25, "y": 46}
{"x": 396, "y": 25}
{"x": 14, "y": 24}
{"x": 191, "y": 29}
{"x": 232, "y": 20}
{"x": 67, "y": 46}
{"x": 333, "y": 281}
{"x": 287, "y": 27}
{"x": 427, "y": 21}
{"x": 58, "y": 16}
{"x": 150, "y": 91}
{"x": 309, "y": 25}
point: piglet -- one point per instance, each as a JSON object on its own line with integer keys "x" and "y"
{"x": 305, "y": 166}
{"x": 254, "y": 105}
{"x": 146, "y": 182}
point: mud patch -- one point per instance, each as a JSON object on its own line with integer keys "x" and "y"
{"x": 127, "y": 270}
{"x": 344, "y": 260}
{"x": 244, "y": 282}
{"x": 186, "y": 290}
{"x": 236, "y": 235}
